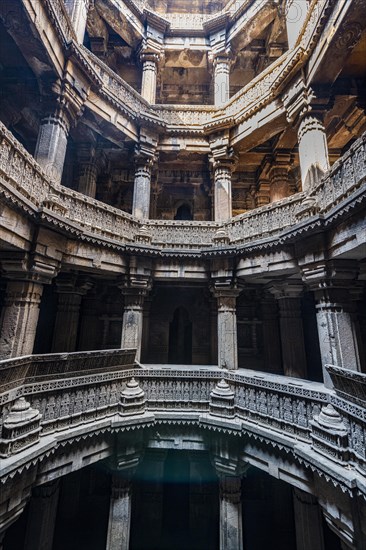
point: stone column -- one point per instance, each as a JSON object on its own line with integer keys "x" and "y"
{"x": 51, "y": 145}
{"x": 279, "y": 177}
{"x": 271, "y": 336}
{"x": 313, "y": 150}
{"x": 308, "y": 521}
{"x": 70, "y": 292}
{"x": 221, "y": 79}
{"x": 19, "y": 318}
{"x": 149, "y": 76}
{"x": 336, "y": 330}
{"x": 87, "y": 169}
{"x": 118, "y": 537}
{"x": 78, "y": 12}
{"x": 291, "y": 329}
{"x": 222, "y": 190}
{"x": 133, "y": 320}
{"x": 141, "y": 190}
{"x": 295, "y": 11}
{"x": 226, "y": 328}
{"x": 231, "y": 527}
{"x": 42, "y": 517}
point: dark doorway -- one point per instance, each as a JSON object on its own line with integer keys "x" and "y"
{"x": 180, "y": 338}
{"x": 184, "y": 213}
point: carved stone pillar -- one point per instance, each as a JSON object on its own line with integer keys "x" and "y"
{"x": 221, "y": 79}
{"x": 231, "y": 527}
{"x": 19, "y": 318}
{"x": 308, "y": 521}
{"x": 291, "y": 328}
{"x": 263, "y": 192}
{"x": 149, "y": 76}
{"x": 78, "y": 12}
{"x": 295, "y": 12}
{"x": 336, "y": 330}
{"x": 141, "y": 190}
{"x": 42, "y": 517}
{"x": 70, "y": 292}
{"x": 133, "y": 319}
{"x": 313, "y": 150}
{"x": 226, "y": 327}
{"x": 87, "y": 169}
{"x": 51, "y": 145}
{"x": 271, "y": 336}
{"x": 279, "y": 177}
{"x": 222, "y": 189}
{"x": 118, "y": 537}
{"x": 334, "y": 285}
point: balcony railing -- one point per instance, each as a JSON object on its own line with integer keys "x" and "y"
{"x": 24, "y": 184}
{"x": 56, "y": 394}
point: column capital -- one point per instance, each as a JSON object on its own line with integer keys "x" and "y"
{"x": 332, "y": 274}
{"x": 300, "y": 100}
{"x": 72, "y": 283}
{"x": 23, "y": 266}
{"x": 286, "y": 290}
{"x": 145, "y": 153}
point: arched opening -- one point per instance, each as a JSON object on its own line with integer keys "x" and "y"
{"x": 184, "y": 212}
{"x": 180, "y": 338}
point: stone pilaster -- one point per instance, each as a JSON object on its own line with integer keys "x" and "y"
{"x": 313, "y": 150}
{"x": 271, "y": 336}
{"x": 118, "y": 537}
{"x": 227, "y": 328}
{"x": 221, "y": 66}
{"x": 42, "y": 517}
{"x": 78, "y": 12}
{"x": 279, "y": 177}
{"x": 231, "y": 527}
{"x": 295, "y": 13}
{"x": 308, "y": 521}
{"x": 262, "y": 196}
{"x": 291, "y": 329}
{"x": 70, "y": 291}
{"x": 19, "y": 318}
{"x": 133, "y": 319}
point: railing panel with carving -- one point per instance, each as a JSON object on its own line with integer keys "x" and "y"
{"x": 76, "y": 389}
{"x": 23, "y": 182}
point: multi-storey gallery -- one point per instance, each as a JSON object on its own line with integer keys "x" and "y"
{"x": 183, "y": 274}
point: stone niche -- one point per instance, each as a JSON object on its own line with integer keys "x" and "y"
{"x": 180, "y": 328}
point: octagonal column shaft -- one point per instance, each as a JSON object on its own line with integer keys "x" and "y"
{"x": 133, "y": 320}
{"x": 222, "y": 191}
{"x": 42, "y": 517}
{"x": 313, "y": 150}
{"x": 227, "y": 328}
{"x": 51, "y": 145}
{"x": 19, "y": 318}
{"x": 308, "y": 521}
{"x": 118, "y": 537}
{"x": 149, "y": 76}
{"x": 142, "y": 191}
{"x": 222, "y": 80}
{"x": 231, "y": 525}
